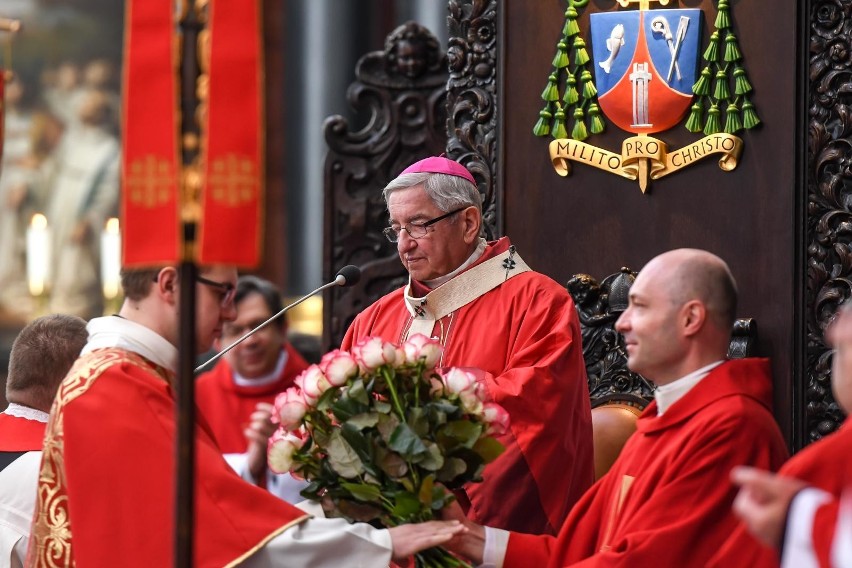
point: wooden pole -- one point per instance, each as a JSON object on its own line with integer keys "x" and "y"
{"x": 190, "y": 26}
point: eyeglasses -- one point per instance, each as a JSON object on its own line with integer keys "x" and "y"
{"x": 416, "y": 230}
{"x": 227, "y": 289}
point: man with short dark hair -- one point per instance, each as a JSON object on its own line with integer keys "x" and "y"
{"x": 243, "y": 385}
{"x": 491, "y": 312}
{"x": 40, "y": 358}
{"x": 666, "y": 501}
{"x": 106, "y": 489}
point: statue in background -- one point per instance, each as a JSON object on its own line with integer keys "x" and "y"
{"x": 83, "y": 191}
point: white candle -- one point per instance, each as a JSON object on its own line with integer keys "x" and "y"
{"x": 111, "y": 258}
{"x": 38, "y": 254}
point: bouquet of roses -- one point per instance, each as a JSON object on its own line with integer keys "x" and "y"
{"x": 380, "y": 434}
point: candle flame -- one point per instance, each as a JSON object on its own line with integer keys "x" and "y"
{"x": 38, "y": 221}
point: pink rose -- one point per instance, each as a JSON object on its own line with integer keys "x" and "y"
{"x": 458, "y": 380}
{"x": 497, "y": 418}
{"x": 471, "y": 401}
{"x": 338, "y": 366}
{"x": 419, "y": 347}
{"x": 371, "y": 353}
{"x": 282, "y": 445}
{"x": 313, "y": 383}
{"x": 290, "y": 408}
{"x": 436, "y": 387}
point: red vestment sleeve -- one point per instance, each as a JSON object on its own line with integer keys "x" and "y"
{"x": 667, "y": 500}
{"x": 134, "y": 519}
{"x": 545, "y": 392}
{"x": 808, "y": 465}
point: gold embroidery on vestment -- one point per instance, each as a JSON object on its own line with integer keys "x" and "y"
{"x": 50, "y": 541}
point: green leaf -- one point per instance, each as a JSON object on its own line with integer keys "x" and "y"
{"x": 364, "y": 420}
{"x": 387, "y": 425}
{"x": 426, "y": 487}
{"x": 363, "y": 492}
{"x": 327, "y": 398}
{"x": 433, "y": 459}
{"x": 453, "y": 467}
{"x": 358, "y": 392}
{"x": 405, "y": 505}
{"x": 361, "y": 444}
{"x": 488, "y": 449}
{"x": 463, "y": 432}
{"x": 391, "y": 463}
{"x": 418, "y": 422}
{"x": 405, "y": 441}
{"x": 342, "y": 458}
{"x": 382, "y": 406}
{"x": 345, "y": 408}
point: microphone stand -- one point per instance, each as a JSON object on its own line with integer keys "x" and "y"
{"x": 340, "y": 280}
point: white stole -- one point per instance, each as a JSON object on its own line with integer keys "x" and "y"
{"x": 460, "y": 291}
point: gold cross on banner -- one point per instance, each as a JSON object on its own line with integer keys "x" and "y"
{"x": 150, "y": 181}
{"x": 643, "y": 4}
{"x": 233, "y": 180}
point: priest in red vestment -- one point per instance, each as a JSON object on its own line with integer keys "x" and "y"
{"x": 826, "y": 465}
{"x": 491, "y": 312}
{"x": 106, "y": 487}
{"x": 236, "y": 397}
{"x": 41, "y": 356}
{"x": 666, "y": 501}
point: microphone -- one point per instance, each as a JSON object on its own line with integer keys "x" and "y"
{"x": 349, "y": 275}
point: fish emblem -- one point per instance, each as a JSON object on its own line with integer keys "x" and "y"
{"x": 613, "y": 44}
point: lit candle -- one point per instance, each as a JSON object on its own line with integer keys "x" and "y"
{"x": 38, "y": 254}
{"x": 111, "y": 258}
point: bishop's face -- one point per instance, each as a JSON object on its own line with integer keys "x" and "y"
{"x": 445, "y": 246}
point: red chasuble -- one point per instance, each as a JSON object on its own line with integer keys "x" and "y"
{"x": 227, "y": 407}
{"x": 666, "y": 501}
{"x": 826, "y": 465}
{"x": 526, "y": 334}
{"x": 20, "y": 434}
{"x": 106, "y": 488}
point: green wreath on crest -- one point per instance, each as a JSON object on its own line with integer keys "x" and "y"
{"x": 571, "y": 90}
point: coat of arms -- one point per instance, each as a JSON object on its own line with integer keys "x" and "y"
{"x": 645, "y": 75}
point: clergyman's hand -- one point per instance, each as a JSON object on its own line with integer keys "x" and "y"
{"x": 259, "y": 431}
{"x": 763, "y": 501}
{"x": 412, "y": 538}
{"x": 470, "y": 543}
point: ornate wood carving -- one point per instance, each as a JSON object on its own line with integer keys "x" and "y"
{"x": 829, "y": 199}
{"x": 472, "y": 103}
{"x": 402, "y": 93}
{"x": 598, "y": 307}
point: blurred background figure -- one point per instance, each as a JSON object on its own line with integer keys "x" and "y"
{"x": 236, "y": 397}
{"x": 83, "y": 192}
{"x": 19, "y": 199}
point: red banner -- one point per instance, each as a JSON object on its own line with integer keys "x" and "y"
{"x": 232, "y": 197}
{"x": 150, "y": 163}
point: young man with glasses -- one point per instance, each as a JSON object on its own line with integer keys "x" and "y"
{"x": 236, "y": 396}
{"x": 106, "y": 488}
{"x": 490, "y": 311}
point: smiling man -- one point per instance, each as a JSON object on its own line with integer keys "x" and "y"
{"x": 241, "y": 388}
{"x": 490, "y": 311}
{"x": 666, "y": 501}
